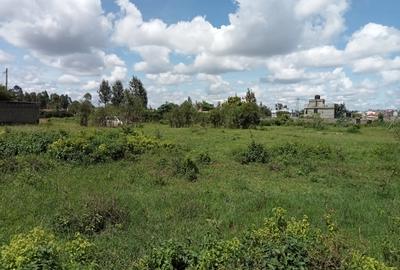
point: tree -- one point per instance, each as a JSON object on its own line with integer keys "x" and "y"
{"x": 33, "y": 97}
{"x": 117, "y": 93}
{"x": 234, "y": 101}
{"x": 265, "y": 111}
{"x": 250, "y": 96}
{"x": 136, "y": 87}
{"x": 204, "y": 106}
{"x": 132, "y": 107}
{"x": 55, "y": 101}
{"x": 43, "y": 99}
{"x": 4, "y": 94}
{"x": 17, "y": 93}
{"x": 166, "y": 108}
{"x": 104, "y": 92}
{"x": 87, "y": 97}
{"x": 183, "y": 116}
{"x": 216, "y": 117}
{"x": 74, "y": 107}
{"x": 340, "y": 110}
{"x": 65, "y": 100}
{"x": 249, "y": 115}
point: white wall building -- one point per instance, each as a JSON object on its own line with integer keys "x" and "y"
{"x": 317, "y": 106}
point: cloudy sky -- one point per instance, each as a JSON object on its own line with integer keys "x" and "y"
{"x": 285, "y": 50}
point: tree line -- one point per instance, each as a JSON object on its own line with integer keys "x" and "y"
{"x": 131, "y": 105}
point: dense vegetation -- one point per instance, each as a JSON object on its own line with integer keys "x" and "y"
{"x": 154, "y": 197}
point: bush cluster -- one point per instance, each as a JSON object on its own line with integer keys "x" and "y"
{"x": 288, "y": 153}
{"x": 103, "y": 146}
{"x": 187, "y": 168}
{"x": 96, "y": 215}
{"x": 55, "y": 114}
{"x": 282, "y": 243}
{"x": 255, "y": 152}
{"x": 39, "y": 249}
{"x": 30, "y": 162}
{"x": 22, "y": 143}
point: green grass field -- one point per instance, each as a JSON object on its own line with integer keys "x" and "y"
{"x": 360, "y": 187}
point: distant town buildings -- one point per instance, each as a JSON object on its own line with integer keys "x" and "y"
{"x": 317, "y": 106}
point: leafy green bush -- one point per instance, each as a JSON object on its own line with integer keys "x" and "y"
{"x": 103, "y": 146}
{"x": 254, "y": 153}
{"x": 40, "y": 249}
{"x": 294, "y": 152}
{"x": 187, "y": 168}
{"x": 21, "y": 143}
{"x": 359, "y": 261}
{"x": 169, "y": 255}
{"x": 282, "y": 243}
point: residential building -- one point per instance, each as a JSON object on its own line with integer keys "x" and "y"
{"x": 317, "y": 106}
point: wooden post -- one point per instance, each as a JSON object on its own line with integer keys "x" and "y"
{"x": 6, "y": 79}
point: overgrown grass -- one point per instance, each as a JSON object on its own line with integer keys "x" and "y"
{"x": 309, "y": 171}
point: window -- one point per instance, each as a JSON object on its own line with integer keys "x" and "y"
{"x": 315, "y": 110}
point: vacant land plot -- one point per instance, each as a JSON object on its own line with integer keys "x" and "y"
{"x": 134, "y": 188}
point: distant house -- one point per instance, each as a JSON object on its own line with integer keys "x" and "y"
{"x": 280, "y": 109}
{"x": 19, "y": 112}
{"x": 317, "y": 106}
{"x": 371, "y": 115}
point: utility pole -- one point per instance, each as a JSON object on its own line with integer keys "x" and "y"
{"x": 6, "y": 72}
{"x": 6, "y": 79}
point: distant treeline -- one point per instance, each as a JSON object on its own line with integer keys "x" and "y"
{"x": 131, "y": 105}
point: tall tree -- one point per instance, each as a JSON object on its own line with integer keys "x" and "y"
{"x": 85, "y": 109}
{"x": 117, "y": 93}
{"x": 33, "y": 97}
{"x": 250, "y": 96}
{"x": 65, "y": 100}
{"x": 133, "y": 107}
{"x": 340, "y": 110}
{"x": 137, "y": 88}
{"x": 87, "y": 97}
{"x": 55, "y": 101}
{"x": 43, "y": 99}
{"x": 104, "y": 92}
{"x": 4, "y": 94}
{"x": 17, "y": 93}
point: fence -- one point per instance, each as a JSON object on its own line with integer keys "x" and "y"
{"x": 19, "y": 112}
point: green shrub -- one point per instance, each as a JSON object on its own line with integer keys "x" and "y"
{"x": 254, "y": 153}
{"x": 169, "y": 255}
{"x": 103, "y": 146}
{"x": 36, "y": 250}
{"x": 296, "y": 152}
{"x": 40, "y": 249}
{"x": 95, "y": 216}
{"x": 282, "y": 243}
{"x": 22, "y": 143}
{"x": 354, "y": 129}
{"x": 204, "y": 158}
{"x": 359, "y": 261}
{"x": 187, "y": 168}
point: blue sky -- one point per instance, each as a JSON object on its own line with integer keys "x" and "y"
{"x": 285, "y": 50}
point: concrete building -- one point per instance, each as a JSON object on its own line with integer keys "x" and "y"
{"x": 317, "y": 106}
{"x": 19, "y": 112}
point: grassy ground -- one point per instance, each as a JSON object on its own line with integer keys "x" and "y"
{"x": 362, "y": 189}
